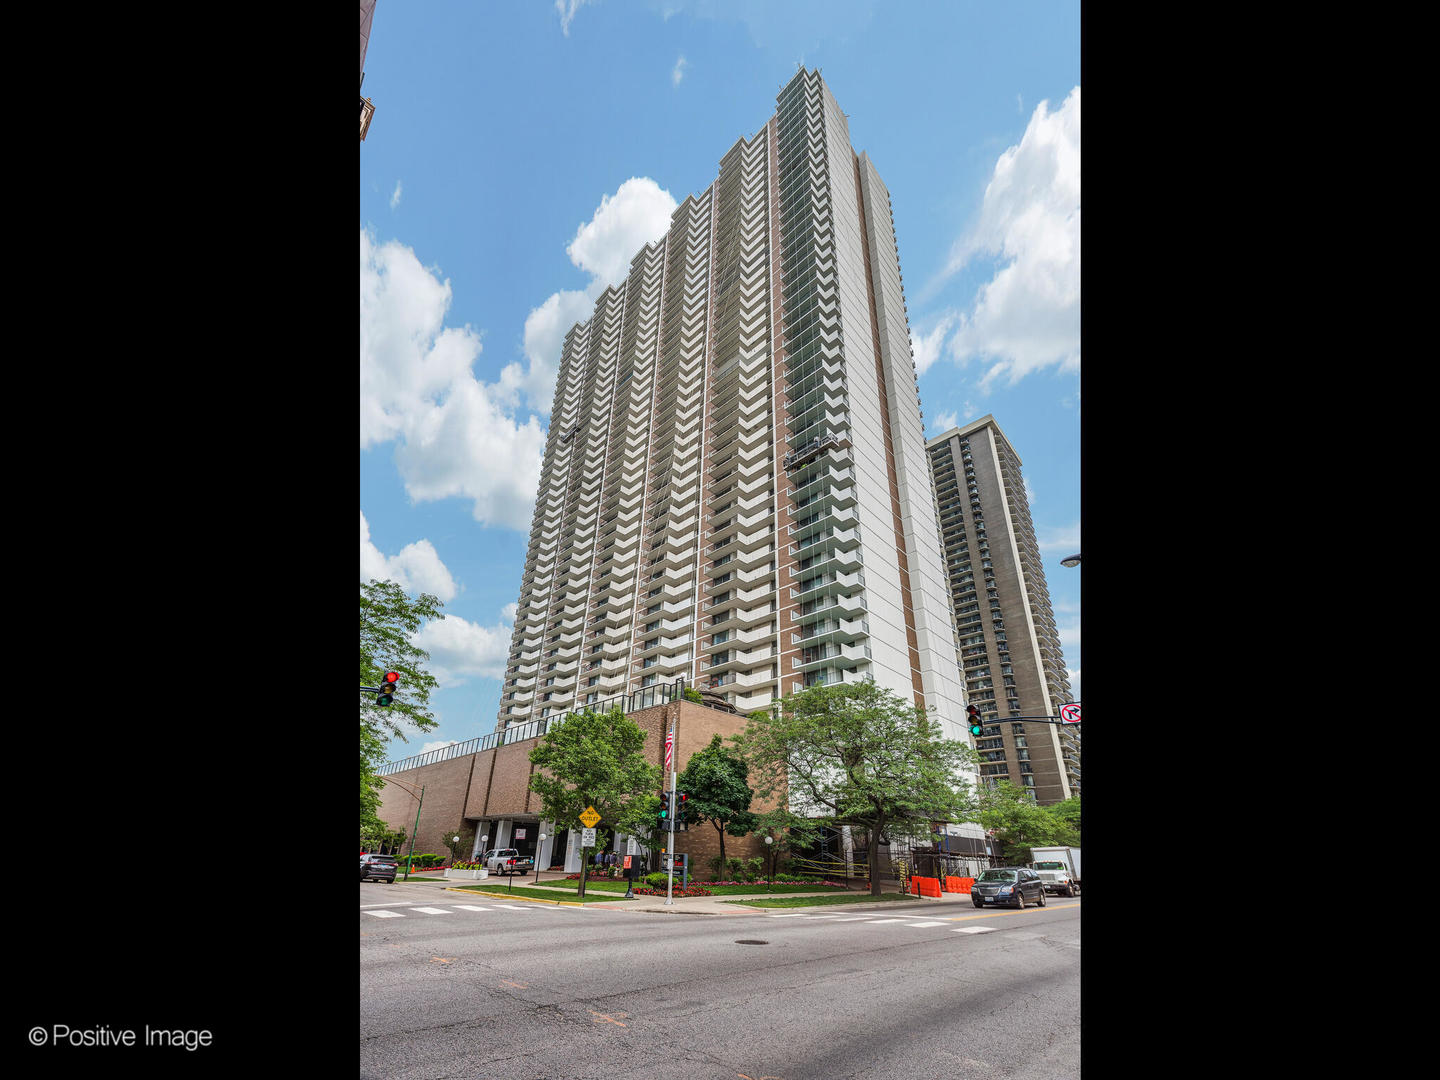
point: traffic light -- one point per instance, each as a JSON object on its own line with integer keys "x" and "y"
{"x": 680, "y": 798}
{"x": 664, "y": 807}
{"x": 974, "y": 714}
{"x": 387, "y": 688}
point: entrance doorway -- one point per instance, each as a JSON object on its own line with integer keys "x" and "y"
{"x": 557, "y": 849}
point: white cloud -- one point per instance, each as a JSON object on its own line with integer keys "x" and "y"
{"x": 1027, "y": 317}
{"x": 395, "y": 196}
{"x": 454, "y": 434}
{"x": 425, "y": 748}
{"x": 637, "y": 214}
{"x": 567, "y": 9}
{"x": 460, "y": 650}
{"x": 678, "y": 73}
{"x": 944, "y": 422}
{"x": 416, "y": 569}
{"x": 1072, "y": 676}
{"x": 926, "y": 347}
{"x": 1058, "y": 540}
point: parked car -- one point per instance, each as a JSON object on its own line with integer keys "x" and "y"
{"x": 508, "y": 861}
{"x": 379, "y": 867}
{"x": 1008, "y": 885}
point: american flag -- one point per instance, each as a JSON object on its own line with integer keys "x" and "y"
{"x": 669, "y": 748}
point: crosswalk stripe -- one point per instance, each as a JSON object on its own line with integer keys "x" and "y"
{"x": 432, "y": 910}
{"x": 884, "y": 920}
{"x": 384, "y": 914}
{"x": 471, "y": 907}
{"x": 941, "y": 923}
{"x": 972, "y": 930}
{"x": 789, "y": 915}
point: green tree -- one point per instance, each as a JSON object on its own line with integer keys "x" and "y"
{"x": 1019, "y": 822}
{"x": 593, "y": 759}
{"x": 717, "y": 783}
{"x": 388, "y": 622}
{"x": 858, "y": 754}
{"x": 1067, "y": 812}
{"x": 789, "y": 832}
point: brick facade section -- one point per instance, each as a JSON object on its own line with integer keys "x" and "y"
{"x": 495, "y": 784}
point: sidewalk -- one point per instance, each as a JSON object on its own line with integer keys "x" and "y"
{"x": 690, "y": 905}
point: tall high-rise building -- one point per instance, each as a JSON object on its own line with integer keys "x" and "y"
{"x": 1009, "y": 647}
{"x": 735, "y": 486}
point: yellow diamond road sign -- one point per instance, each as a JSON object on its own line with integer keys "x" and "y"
{"x": 589, "y": 817}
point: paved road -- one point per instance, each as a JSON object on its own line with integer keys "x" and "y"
{"x": 460, "y": 986}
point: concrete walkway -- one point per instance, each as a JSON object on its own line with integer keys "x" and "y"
{"x": 689, "y": 905}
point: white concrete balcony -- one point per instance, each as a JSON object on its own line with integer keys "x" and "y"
{"x": 814, "y": 657}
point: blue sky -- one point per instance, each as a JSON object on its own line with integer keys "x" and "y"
{"x": 522, "y": 152}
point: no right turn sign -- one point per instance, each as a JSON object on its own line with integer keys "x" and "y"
{"x": 1070, "y": 712}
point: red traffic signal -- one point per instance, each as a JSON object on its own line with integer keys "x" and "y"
{"x": 387, "y": 688}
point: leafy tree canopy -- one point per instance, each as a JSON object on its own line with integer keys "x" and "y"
{"x": 716, "y": 781}
{"x": 1020, "y": 823}
{"x": 595, "y": 759}
{"x": 858, "y": 754}
{"x": 388, "y": 621}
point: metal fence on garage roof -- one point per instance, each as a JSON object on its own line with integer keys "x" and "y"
{"x": 644, "y": 698}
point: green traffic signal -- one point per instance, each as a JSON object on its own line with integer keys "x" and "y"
{"x": 975, "y": 724}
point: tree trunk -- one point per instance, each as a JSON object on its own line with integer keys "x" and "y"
{"x": 875, "y": 860}
{"x": 584, "y": 872}
{"x": 721, "y": 830}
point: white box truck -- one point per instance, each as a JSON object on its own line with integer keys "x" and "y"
{"x": 1058, "y": 867}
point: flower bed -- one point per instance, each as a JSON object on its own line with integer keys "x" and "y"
{"x": 693, "y": 890}
{"x": 762, "y": 883}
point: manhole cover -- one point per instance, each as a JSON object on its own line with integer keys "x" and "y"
{"x": 745, "y": 941}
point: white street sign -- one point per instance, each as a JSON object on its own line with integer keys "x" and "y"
{"x": 1070, "y": 712}
{"x": 587, "y": 837}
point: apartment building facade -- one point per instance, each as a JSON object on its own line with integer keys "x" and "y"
{"x": 735, "y": 488}
{"x": 1009, "y": 647}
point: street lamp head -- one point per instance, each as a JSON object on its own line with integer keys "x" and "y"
{"x": 1071, "y": 560}
{"x": 769, "y": 839}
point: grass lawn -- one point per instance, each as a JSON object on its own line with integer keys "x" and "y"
{"x": 500, "y": 892}
{"x": 715, "y": 890}
{"x": 811, "y": 901}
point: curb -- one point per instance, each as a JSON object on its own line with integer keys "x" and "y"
{"x": 523, "y": 899}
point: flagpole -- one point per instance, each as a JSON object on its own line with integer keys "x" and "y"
{"x": 670, "y": 847}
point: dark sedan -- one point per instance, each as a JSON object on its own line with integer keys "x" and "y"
{"x": 1013, "y": 885}
{"x": 379, "y": 867}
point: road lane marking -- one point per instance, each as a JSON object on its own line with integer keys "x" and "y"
{"x": 872, "y": 921}
{"x": 974, "y": 929}
{"x": 471, "y": 907}
{"x": 384, "y": 914}
{"x": 940, "y": 923}
{"x": 432, "y": 910}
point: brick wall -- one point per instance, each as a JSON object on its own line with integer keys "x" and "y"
{"x": 494, "y": 784}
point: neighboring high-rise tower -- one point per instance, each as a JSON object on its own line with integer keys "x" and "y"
{"x": 735, "y": 487}
{"x": 1009, "y": 647}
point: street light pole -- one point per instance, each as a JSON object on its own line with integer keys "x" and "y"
{"x": 410, "y": 858}
{"x": 538, "y": 844}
